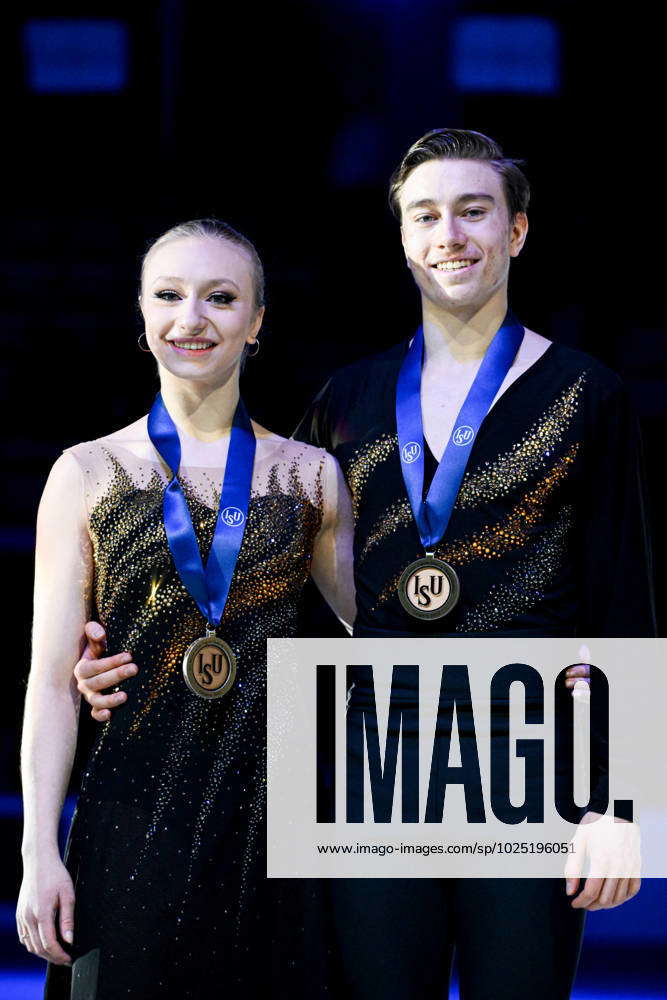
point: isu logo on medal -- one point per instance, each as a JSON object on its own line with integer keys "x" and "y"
{"x": 209, "y": 667}
{"x": 428, "y": 588}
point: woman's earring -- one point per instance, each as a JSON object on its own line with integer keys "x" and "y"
{"x": 146, "y": 349}
{"x": 255, "y": 352}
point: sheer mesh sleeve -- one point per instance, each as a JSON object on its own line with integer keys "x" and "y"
{"x": 63, "y": 569}
{"x": 332, "y": 567}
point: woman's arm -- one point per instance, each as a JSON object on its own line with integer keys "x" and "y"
{"x": 63, "y": 578}
{"x": 332, "y": 566}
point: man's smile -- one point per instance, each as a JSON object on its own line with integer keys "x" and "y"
{"x": 454, "y": 265}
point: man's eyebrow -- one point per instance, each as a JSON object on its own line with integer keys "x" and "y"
{"x": 422, "y": 203}
{"x": 209, "y": 284}
{"x": 477, "y": 196}
{"x": 471, "y": 196}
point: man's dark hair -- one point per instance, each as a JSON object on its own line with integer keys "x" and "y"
{"x": 462, "y": 144}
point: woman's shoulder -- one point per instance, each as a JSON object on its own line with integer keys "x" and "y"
{"x": 132, "y": 440}
{"x": 294, "y": 467}
{"x": 274, "y": 447}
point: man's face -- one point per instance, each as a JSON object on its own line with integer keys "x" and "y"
{"x": 457, "y": 234}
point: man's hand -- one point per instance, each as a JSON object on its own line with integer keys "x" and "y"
{"x": 612, "y": 847}
{"x": 579, "y": 672}
{"x": 95, "y": 672}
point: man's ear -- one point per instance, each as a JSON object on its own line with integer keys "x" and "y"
{"x": 518, "y": 233}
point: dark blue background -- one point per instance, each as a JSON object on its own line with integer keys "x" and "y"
{"x": 286, "y": 120}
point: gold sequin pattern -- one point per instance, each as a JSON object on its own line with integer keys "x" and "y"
{"x": 398, "y": 514}
{"x": 527, "y": 456}
{"x": 362, "y": 464}
{"x": 511, "y": 532}
{"x": 130, "y": 543}
{"x": 526, "y": 582}
{"x": 534, "y": 452}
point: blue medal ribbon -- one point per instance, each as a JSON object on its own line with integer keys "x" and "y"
{"x": 209, "y": 585}
{"x": 433, "y": 513}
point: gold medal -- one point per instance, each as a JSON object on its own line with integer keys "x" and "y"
{"x": 209, "y": 666}
{"x": 428, "y": 588}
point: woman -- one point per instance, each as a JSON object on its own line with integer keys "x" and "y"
{"x": 160, "y": 896}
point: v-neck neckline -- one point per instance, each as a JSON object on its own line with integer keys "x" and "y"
{"x": 508, "y": 392}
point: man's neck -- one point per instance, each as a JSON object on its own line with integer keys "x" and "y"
{"x": 202, "y": 410}
{"x": 461, "y": 338}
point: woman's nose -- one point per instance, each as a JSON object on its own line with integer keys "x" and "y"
{"x": 191, "y": 317}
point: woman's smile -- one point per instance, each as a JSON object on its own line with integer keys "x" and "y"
{"x": 192, "y": 345}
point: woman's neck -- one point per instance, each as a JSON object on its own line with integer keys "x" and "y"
{"x": 461, "y": 338}
{"x": 201, "y": 410}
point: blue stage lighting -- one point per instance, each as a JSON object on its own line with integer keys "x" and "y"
{"x": 506, "y": 54}
{"x": 68, "y": 56}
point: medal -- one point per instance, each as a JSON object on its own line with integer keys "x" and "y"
{"x": 209, "y": 663}
{"x": 209, "y": 666}
{"x": 429, "y": 587}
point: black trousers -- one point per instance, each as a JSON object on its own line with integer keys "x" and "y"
{"x": 516, "y": 939}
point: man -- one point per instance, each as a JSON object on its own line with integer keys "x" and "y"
{"x": 526, "y": 507}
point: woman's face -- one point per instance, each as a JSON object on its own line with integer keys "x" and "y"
{"x": 199, "y": 307}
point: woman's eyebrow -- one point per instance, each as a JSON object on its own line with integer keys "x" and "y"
{"x": 209, "y": 284}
